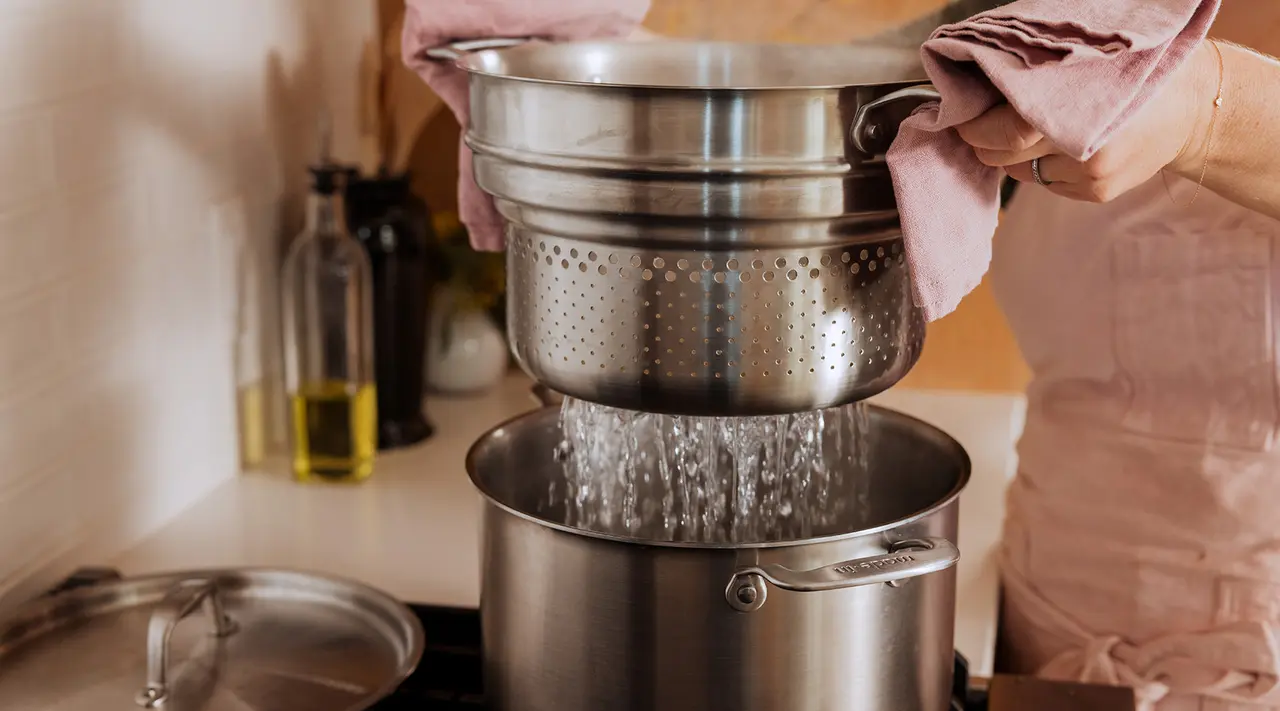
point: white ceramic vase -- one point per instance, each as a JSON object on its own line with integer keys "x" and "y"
{"x": 466, "y": 351}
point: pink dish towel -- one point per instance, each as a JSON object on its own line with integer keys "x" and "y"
{"x": 1075, "y": 69}
{"x": 431, "y": 23}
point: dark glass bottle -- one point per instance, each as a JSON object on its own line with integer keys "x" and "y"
{"x": 394, "y": 225}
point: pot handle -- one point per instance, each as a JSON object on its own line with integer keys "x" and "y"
{"x": 746, "y": 591}
{"x": 181, "y": 601}
{"x": 875, "y": 123}
{"x": 456, "y": 50}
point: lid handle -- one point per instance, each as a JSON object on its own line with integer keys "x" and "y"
{"x": 181, "y": 601}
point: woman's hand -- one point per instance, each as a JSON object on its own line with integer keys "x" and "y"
{"x": 432, "y": 23}
{"x": 1165, "y": 133}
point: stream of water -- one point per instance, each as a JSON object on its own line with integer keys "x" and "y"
{"x": 714, "y": 479}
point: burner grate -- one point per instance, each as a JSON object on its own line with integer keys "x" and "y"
{"x": 449, "y": 676}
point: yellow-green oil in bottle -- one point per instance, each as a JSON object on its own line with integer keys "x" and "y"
{"x": 335, "y": 431}
{"x": 252, "y": 410}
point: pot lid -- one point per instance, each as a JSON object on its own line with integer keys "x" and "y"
{"x": 223, "y": 640}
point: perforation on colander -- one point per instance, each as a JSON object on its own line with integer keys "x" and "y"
{"x": 828, "y": 315}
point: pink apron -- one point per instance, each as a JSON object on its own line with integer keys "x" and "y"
{"x": 1142, "y": 542}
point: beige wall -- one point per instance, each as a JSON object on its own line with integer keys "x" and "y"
{"x": 786, "y": 20}
{"x": 139, "y": 139}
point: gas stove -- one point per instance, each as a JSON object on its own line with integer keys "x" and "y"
{"x": 449, "y": 676}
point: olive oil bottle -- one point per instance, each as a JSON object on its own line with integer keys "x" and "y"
{"x": 328, "y": 340}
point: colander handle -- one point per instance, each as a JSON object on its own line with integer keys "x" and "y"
{"x": 875, "y": 123}
{"x": 746, "y": 591}
{"x": 458, "y": 49}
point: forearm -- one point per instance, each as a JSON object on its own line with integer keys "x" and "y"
{"x": 1238, "y": 150}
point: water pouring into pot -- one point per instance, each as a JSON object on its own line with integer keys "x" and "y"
{"x": 703, "y": 255}
{"x": 1088, "y": 101}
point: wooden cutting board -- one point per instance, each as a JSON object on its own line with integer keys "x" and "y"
{"x": 813, "y": 21}
{"x": 1024, "y": 693}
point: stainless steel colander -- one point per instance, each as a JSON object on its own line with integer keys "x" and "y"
{"x": 705, "y": 332}
{"x": 699, "y": 228}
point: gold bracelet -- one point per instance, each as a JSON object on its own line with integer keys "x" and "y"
{"x": 1208, "y": 143}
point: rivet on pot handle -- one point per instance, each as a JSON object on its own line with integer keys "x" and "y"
{"x": 455, "y": 51}
{"x": 747, "y": 590}
{"x": 177, "y": 605}
{"x": 875, "y": 124}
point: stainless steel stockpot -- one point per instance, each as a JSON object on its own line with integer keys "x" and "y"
{"x": 860, "y": 616}
{"x": 699, "y": 228}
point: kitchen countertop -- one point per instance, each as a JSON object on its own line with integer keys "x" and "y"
{"x": 413, "y": 529}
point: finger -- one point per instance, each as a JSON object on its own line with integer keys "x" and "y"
{"x": 1072, "y": 191}
{"x": 1000, "y": 159}
{"x": 1000, "y": 129}
{"x": 640, "y": 34}
{"x": 476, "y": 208}
{"x": 1021, "y": 172}
{"x": 1053, "y": 169}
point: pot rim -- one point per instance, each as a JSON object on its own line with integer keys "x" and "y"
{"x": 472, "y": 64}
{"x": 966, "y": 467}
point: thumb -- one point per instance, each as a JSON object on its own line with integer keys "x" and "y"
{"x": 476, "y": 208}
{"x": 1000, "y": 129}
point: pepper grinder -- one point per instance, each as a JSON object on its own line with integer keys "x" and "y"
{"x": 394, "y": 225}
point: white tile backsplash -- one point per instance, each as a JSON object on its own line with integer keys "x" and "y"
{"x": 30, "y": 235}
{"x": 27, "y": 170}
{"x": 125, "y": 127}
